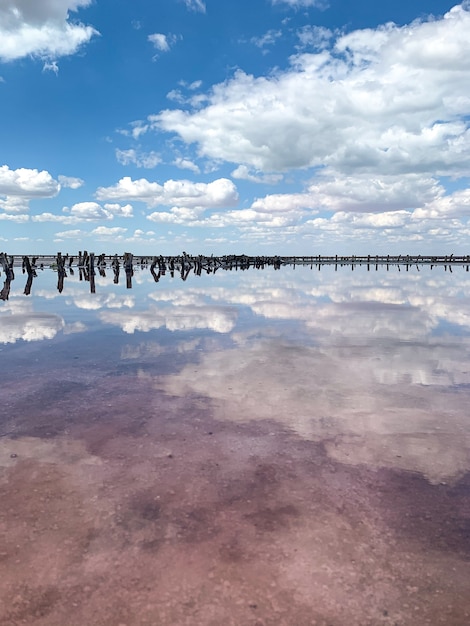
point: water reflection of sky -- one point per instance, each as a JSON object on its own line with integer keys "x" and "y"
{"x": 376, "y": 364}
{"x": 371, "y": 366}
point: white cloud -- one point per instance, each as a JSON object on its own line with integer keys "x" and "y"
{"x": 52, "y": 217}
{"x": 284, "y": 202}
{"x": 85, "y": 212}
{"x": 196, "y": 5}
{"x": 176, "y": 96}
{"x": 186, "y": 164}
{"x": 71, "y": 234}
{"x": 456, "y": 204}
{"x": 194, "y": 85}
{"x": 118, "y": 210}
{"x": 162, "y": 42}
{"x": 11, "y": 217}
{"x": 70, "y": 181}
{"x": 140, "y": 159}
{"x": 13, "y": 204}
{"x": 18, "y": 187}
{"x": 335, "y": 192}
{"x": 314, "y": 37}
{"x": 138, "y": 128}
{"x": 41, "y": 29}
{"x": 301, "y": 3}
{"x": 51, "y": 66}
{"x": 398, "y": 97}
{"x": 243, "y": 172}
{"x": 182, "y": 193}
{"x": 244, "y": 219}
{"x": 268, "y": 39}
{"x": 104, "y": 231}
{"x": 392, "y": 219}
{"x": 89, "y": 211}
{"x": 27, "y": 183}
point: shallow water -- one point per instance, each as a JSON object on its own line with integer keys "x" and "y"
{"x": 259, "y": 447}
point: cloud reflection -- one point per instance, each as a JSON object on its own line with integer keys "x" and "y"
{"x": 376, "y": 365}
{"x": 29, "y": 327}
{"x": 218, "y": 319}
{"x": 367, "y": 404}
{"x": 380, "y": 373}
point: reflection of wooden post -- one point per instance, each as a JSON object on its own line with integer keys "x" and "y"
{"x": 115, "y": 266}
{"x": 5, "y": 292}
{"x": 128, "y": 259}
{"x": 29, "y": 283}
{"x": 27, "y": 265}
{"x": 60, "y": 272}
{"x": 9, "y": 276}
{"x": 7, "y": 265}
{"x": 91, "y": 270}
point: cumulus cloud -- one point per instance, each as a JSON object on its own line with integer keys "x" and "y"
{"x": 27, "y": 183}
{"x": 86, "y": 212}
{"x": 105, "y": 231}
{"x": 456, "y": 204}
{"x": 11, "y": 217}
{"x": 332, "y": 191}
{"x": 119, "y": 210}
{"x": 52, "y": 217}
{"x": 18, "y": 187}
{"x": 89, "y": 211}
{"x": 398, "y": 97}
{"x": 41, "y": 29}
{"x": 182, "y": 193}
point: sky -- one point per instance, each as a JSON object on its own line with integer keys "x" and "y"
{"x": 222, "y": 126}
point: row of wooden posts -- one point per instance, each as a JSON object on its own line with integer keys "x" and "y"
{"x": 89, "y": 259}
{"x": 184, "y": 264}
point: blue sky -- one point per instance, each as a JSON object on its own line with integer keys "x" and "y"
{"x": 215, "y": 126}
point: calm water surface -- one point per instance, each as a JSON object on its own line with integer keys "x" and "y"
{"x": 253, "y": 448}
